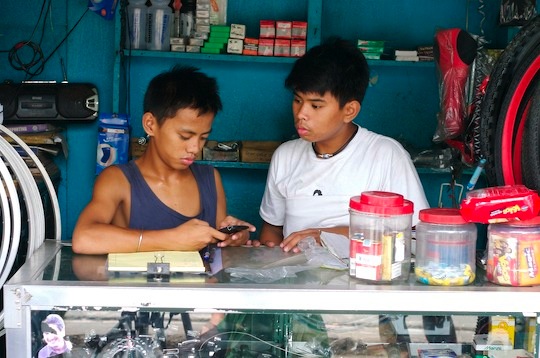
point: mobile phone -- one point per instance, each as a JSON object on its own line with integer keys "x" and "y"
{"x": 231, "y": 229}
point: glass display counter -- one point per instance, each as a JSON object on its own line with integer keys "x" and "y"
{"x": 313, "y": 312}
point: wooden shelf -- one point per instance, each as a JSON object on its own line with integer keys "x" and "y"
{"x": 265, "y": 166}
{"x": 239, "y": 165}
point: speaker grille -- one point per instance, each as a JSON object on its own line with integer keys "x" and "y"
{"x": 8, "y": 99}
{"x": 77, "y": 101}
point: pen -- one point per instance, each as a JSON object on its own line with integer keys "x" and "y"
{"x": 476, "y": 174}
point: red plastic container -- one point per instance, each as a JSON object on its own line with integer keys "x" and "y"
{"x": 500, "y": 204}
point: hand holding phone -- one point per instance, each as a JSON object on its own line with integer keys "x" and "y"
{"x": 231, "y": 229}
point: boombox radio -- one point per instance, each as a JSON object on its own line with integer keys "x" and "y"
{"x": 46, "y": 101}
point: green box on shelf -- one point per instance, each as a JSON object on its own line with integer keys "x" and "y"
{"x": 218, "y": 39}
{"x": 214, "y": 45}
{"x": 370, "y": 43}
{"x": 220, "y": 28}
{"x": 211, "y": 50}
{"x": 372, "y": 55}
{"x": 370, "y": 49}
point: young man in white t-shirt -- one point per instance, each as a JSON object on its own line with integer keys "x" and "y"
{"x": 311, "y": 179}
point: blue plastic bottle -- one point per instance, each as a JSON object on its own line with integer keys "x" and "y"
{"x": 160, "y": 21}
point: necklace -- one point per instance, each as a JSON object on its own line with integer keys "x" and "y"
{"x": 330, "y": 155}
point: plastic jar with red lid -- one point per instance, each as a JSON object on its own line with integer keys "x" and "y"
{"x": 380, "y": 236}
{"x": 445, "y": 248}
{"x": 513, "y": 253}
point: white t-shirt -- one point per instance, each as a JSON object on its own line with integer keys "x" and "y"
{"x": 304, "y": 191}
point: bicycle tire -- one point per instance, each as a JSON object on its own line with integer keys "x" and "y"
{"x": 497, "y": 88}
{"x": 512, "y": 118}
{"x": 530, "y": 157}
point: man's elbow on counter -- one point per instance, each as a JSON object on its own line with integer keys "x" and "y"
{"x": 77, "y": 244}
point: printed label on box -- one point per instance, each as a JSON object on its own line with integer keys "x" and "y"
{"x": 369, "y": 260}
{"x": 113, "y": 141}
{"x": 238, "y": 31}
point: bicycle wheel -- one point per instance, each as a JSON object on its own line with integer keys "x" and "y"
{"x": 497, "y": 88}
{"x": 512, "y": 118}
{"x": 530, "y": 157}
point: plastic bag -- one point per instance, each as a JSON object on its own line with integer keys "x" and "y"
{"x": 313, "y": 256}
{"x": 455, "y": 51}
{"x": 516, "y": 12}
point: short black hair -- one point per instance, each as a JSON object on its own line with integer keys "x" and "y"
{"x": 337, "y": 66}
{"x": 179, "y": 88}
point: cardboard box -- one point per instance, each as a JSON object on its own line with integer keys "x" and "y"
{"x": 193, "y": 49}
{"x": 267, "y": 29}
{"x": 282, "y": 47}
{"x": 251, "y": 46}
{"x": 178, "y": 48}
{"x": 514, "y": 353}
{"x": 266, "y": 47}
{"x": 138, "y": 146}
{"x": 238, "y": 31}
{"x": 258, "y": 151}
{"x": 484, "y": 345}
{"x": 298, "y": 48}
{"x": 436, "y": 353}
{"x": 215, "y": 51}
{"x": 235, "y": 46}
{"x": 530, "y": 334}
{"x": 283, "y": 29}
{"x": 502, "y": 329}
{"x": 222, "y": 151}
{"x": 299, "y": 30}
{"x": 196, "y": 42}
{"x": 370, "y": 43}
{"x": 418, "y": 349}
{"x": 220, "y": 28}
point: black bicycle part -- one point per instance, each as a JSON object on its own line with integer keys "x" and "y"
{"x": 512, "y": 118}
{"x": 530, "y": 155}
{"x": 497, "y": 88}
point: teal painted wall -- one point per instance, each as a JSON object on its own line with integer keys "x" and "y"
{"x": 402, "y": 102}
{"x": 88, "y": 54}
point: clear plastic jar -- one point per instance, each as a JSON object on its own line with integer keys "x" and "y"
{"x": 445, "y": 248}
{"x": 513, "y": 257}
{"x": 380, "y": 236}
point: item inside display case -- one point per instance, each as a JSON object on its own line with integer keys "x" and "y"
{"x": 116, "y": 334}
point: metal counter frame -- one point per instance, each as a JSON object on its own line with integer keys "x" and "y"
{"x": 27, "y": 291}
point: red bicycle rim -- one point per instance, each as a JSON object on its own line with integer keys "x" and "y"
{"x": 507, "y": 139}
{"x": 516, "y": 166}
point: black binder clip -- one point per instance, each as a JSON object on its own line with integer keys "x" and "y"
{"x": 158, "y": 271}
